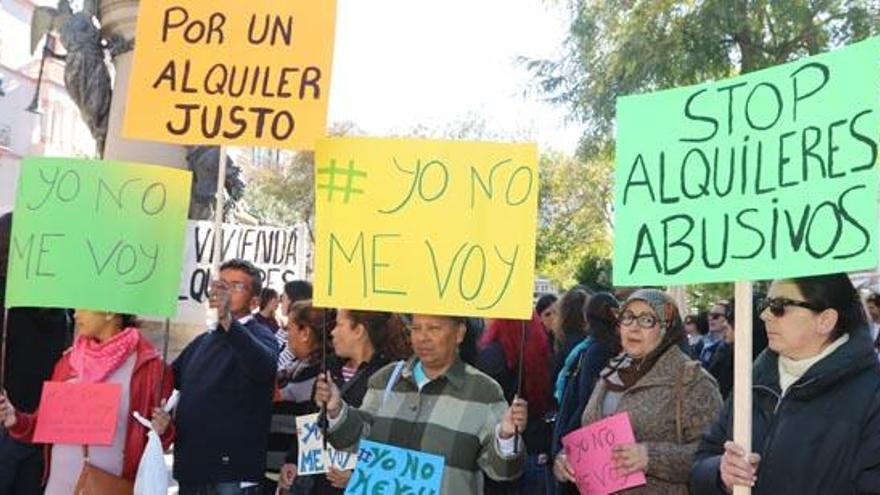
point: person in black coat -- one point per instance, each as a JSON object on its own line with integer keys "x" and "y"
{"x": 721, "y": 368}
{"x": 816, "y": 400}
{"x": 36, "y": 338}
{"x": 579, "y": 374}
{"x": 226, "y": 379}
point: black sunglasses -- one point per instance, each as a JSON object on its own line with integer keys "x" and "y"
{"x": 777, "y": 305}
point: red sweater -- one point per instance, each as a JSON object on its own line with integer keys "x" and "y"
{"x": 145, "y": 380}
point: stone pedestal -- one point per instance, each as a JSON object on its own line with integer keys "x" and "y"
{"x": 120, "y": 17}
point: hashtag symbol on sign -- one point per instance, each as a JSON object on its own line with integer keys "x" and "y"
{"x": 350, "y": 173}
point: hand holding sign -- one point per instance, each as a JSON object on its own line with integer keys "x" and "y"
{"x": 286, "y": 477}
{"x": 629, "y": 459}
{"x": 339, "y": 478}
{"x": 562, "y": 470}
{"x": 515, "y": 418}
{"x": 604, "y": 457}
{"x": 327, "y": 395}
{"x": 737, "y": 468}
{"x": 7, "y": 411}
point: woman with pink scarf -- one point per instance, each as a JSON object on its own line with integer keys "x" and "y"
{"x": 108, "y": 349}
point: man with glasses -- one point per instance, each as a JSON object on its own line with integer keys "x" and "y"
{"x": 226, "y": 378}
{"x": 716, "y": 354}
{"x": 719, "y": 322}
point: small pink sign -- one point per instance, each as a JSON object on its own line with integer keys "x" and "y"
{"x": 78, "y": 413}
{"x": 589, "y": 452}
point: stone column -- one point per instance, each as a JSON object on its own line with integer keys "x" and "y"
{"x": 120, "y": 17}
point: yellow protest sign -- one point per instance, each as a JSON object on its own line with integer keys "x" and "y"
{"x": 244, "y": 73}
{"x": 423, "y": 226}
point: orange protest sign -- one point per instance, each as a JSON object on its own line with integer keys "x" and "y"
{"x": 242, "y": 73}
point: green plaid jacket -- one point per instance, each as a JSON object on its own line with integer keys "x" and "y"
{"x": 453, "y": 416}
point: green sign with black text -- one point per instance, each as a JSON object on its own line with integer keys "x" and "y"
{"x": 98, "y": 235}
{"x": 771, "y": 174}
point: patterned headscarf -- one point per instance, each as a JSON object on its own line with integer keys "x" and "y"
{"x": 672, "y": 332}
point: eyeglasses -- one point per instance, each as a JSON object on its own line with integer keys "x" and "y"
{"x": 777, "y": 305}
{"x": 233, "y": 286}
{"x": 715, "y": 316}
{"x": 644, "y": 320}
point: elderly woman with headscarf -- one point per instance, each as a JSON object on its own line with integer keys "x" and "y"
{"x": 669, "y": 397}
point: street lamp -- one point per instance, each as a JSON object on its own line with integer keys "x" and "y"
{"x": 48, "y": 49}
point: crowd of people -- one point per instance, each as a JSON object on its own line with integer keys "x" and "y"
{"x": 493, "y": 397}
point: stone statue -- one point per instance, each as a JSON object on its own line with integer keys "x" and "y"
{"x": 86, "y": 75}
{"x": 204, "y": 161}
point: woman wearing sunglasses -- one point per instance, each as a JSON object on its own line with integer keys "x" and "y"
{"x": 670, "y": 398}
{"x": 816, "y": 400}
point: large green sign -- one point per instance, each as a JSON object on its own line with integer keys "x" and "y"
{"x": 767, "y": 175}
{"x": 98, "y": 235}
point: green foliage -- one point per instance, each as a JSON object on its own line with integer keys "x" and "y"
{"x": 574, "y": 215}
{"x": 283, "y": 193}
{"x": 701, "y": 297}
{"x": 620, "y": 47}
{"x": 594, "y": 271}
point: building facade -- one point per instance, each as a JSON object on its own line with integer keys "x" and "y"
{"x": 56, "y": 130}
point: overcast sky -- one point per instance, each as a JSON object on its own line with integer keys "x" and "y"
{"x": 403, "y": 63}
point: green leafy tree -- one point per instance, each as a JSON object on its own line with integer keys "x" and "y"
{"x": 701, "y": 297}
{"x": 283, "y": 192}
{"x": 574, "y": 215}
{"x": 620, "y": 47}
{"x": 594, "y": 271}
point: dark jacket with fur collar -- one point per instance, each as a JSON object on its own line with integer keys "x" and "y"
{"x": 821, "y": 437}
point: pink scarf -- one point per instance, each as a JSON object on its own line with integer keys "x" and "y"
{"x": 94, "y": 361}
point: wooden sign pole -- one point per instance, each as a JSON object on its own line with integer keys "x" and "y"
{"x": 742, "y": 373}
{"x": 218, "y": 212}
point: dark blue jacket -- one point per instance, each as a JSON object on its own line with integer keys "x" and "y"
{"x": 821, "y": 438}
{"x": 226, "y": 381}
{"x": 579, "y": 385}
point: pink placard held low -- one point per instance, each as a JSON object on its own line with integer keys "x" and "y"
{"x": 589, "y": 452}
{"x": 78, "y": 413}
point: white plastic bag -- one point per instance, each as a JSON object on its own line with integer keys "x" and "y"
{"x": 152, "y": 475}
